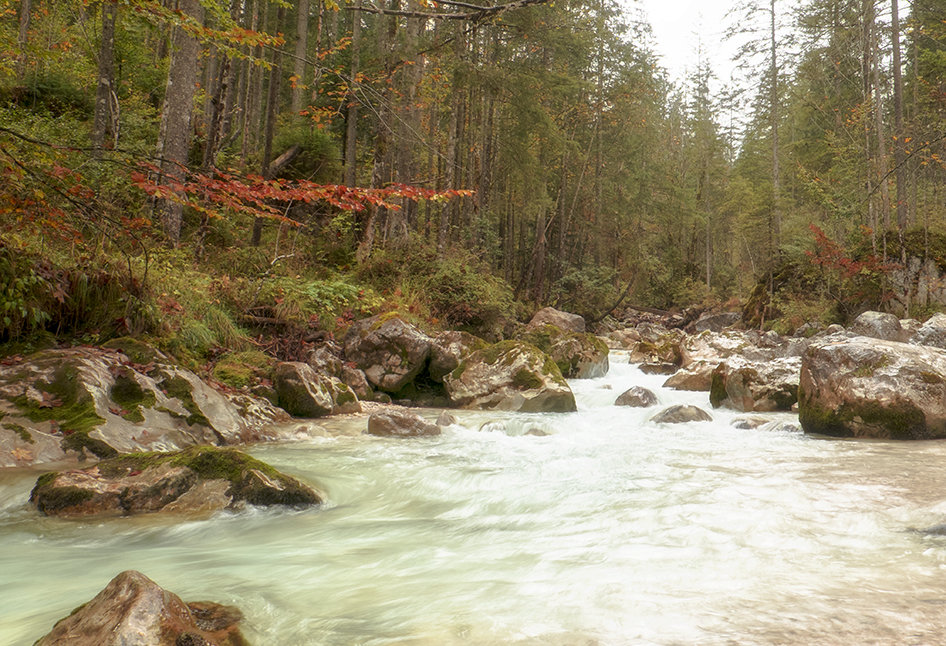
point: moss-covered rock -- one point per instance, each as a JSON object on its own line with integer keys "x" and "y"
{"x": 509, "y": 375}
{"x": 243, "y": 369}
{"x": 578, "y": 355}
{"x": 155, "y": 481}
{"x": 303, "y": 392}
{"x": 747, "y": 386}
{"x": 902, "y": 394}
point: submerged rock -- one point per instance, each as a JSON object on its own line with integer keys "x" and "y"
{"x": 133, "y": 610}
{"x": 201, "y": 478}
{"x": 509, "y": 375}
{"x": 863, "y": 387}
{"x": 636, "y": 397}
{"x": 681, "y": 414}
{"x": 400, "y": 423}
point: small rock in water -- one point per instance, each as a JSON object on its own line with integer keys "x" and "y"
{"x": 782, "y": 427}
{"x": 537, "y": 432}
{"x": 493, "y": 427}
{"x": 446, "y": 418}
{"x": 637, "y": 397}
{"x": 749, "y": 422}
{"x": 399, "y": 423}
{"x": 680, "y": 414}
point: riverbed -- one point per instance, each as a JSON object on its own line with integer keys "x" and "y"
{"x": 594, "y": 528}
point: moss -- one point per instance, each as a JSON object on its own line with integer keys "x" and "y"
{"x": 526, "y": 380}
{"x": 128, "y": 393}
{"x": 137, "y": 351}
{"x": 718, "y": 392}
{"x": 33, "y": 342}
{"x": 180, "y": 389}
{"x": 75, "y": 409}
{"x": 550, "y": 368}
{"x": 57, "y": 498}
{"x": 242, "y": 369}
{"x": 898, "y": 420}
{"x": 19, "y": 430}
{"x": 869, "y": 368}
{"x": 542, "y": 337}
{"x": 79, "y": 440}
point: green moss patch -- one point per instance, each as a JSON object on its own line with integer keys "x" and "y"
{"x": 181, "y": 390}
{"x": 242, "y": 369}
{"x": 897, "y": 420}
{"x": 19, "y": 430}
{"x": 137, "y": 351}
{"x": 66, "y": 402}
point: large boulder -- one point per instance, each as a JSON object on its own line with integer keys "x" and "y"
{"x": 95, "y": 403}
{"x": 558, "y": 318}
{"x": 715, "y": 322}
{"x": 932, "y": 332}
{"x": 447, "y": 350}
{"x": 201, "y": 478}
{"x": 391, "y": 351}
{"x": 134, "y": 610}
{"x": 303, "y": 392}
{"x": 878, "y": 325}
{"x": 681, "y": 414}
{"x": 509, "y": 375}
{"x": 864, "y": 387}
{"x": 578, "y": 355}
{"x": 762, "y": 387}
{"x": 400, "y": 423}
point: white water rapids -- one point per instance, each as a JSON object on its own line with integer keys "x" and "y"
{"x": 610, "y": 530}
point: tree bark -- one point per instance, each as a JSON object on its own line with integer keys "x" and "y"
{"x": 103, "y": 119}
{"x": 898, "y": 149}
{"x": 298, "y": 68}
{"x": 177, "y": 115}
{"x": 351, "y": 116}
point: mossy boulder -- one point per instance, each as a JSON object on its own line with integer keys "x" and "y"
{"x": 509, "y": 375}
{"x": 133, "y": 609}
{"x": 578, "y": 355}
{"x": 390, "y": 351}
{"x": 447, "y": 350}
{"x": 303, "y": 392}
{"x": 762, "y": 387}
{"x": 200, "y": 478}
{"x": 92, "y": 403}
{"x": 868, "y": 388}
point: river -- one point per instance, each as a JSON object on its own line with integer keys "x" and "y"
{"x": 609, "y": 530}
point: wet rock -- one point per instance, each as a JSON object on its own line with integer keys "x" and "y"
{"x": 624, "y": 339}
{"x": 558, "y": 318}
{"x": 878, "y": 325}
{"x": 762, "y": 387}
{"x": 303, "y": 392}
{"x": 389, "y": 350}
{"x": 578, "y": 355}
{"x": 749, "y": 422}
{"x": 197, "y": 479}
{"x": 91, "y": 403}
{"x": 537, "y": 432}
{"x": 864, "y": 387}
{"x": 400, "y": 423}
{"x": 932, "y": 332}
{"x": 447, "y": 349}
{"x": 658, "y": 345}
{"x": 134, "y": 610}
{"x": 636, "y": 397}
{"x": 697, "y": 376}
{"x": 509, "y": 375}
{"x": 355, "y": 379}
{"x": 658, "y": 368}
{"x": 781, "y": 427}
{"x": 446, "y": 418}
{"x": 681, "y": 414}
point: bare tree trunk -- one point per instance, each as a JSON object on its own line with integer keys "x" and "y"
{"x": 23, "y": 37}
{"x": 253, "y": 89}
{"x": 898, "y": 151}
{"x": 773, "y": 107}
{"x": 881, "y": 162}
{"x": 298, "y": 68}
{"x": 351, "y": 117}
{"x": 174, "y": 137}
{"x": 103, "y": 123}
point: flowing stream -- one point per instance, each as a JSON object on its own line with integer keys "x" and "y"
{"x": 607, "y": 530}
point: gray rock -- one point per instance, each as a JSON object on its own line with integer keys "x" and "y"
{"x": 932, "y": 332}
{"x": 400, "y": 423}
{"x": 303, "y": 392}
{"x": 199, "y": 478}
{"x": 390, "y": 351}
{"x": 134, "y": 610}
{"x": 878, "y": 325}
{"x": 681, "y": 414}
{"x": 864, "y": 387}
{"x": 446, "y": 418}
{"x": 636, "y": 397}
{"x": 558, "y": 318}
{"x": 658, "y": 368}
{"x": 355, "y": 379}
{"x": 749, "y": 422}
{"x": 447, "y": 349}
{"x": 697, "y": 376}
{"x": 716, "y": 322}
{"x": 509, "y": 375}
{"x": 761, "y": 387}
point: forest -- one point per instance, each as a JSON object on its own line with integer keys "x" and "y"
{"x": 204, "y": 170}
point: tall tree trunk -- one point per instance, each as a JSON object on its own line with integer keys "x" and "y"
{"x": 351, "y": 117}
{"x": 175, "y": 133}
{"x": 298, "y": 67}
{"x": 776, "y": 225}
{"x": 253, "y": 89}
{"x": 898, "y": 150}
{"x": 881, "y": 136}
{"x": 23, "y": 37}
{"x": 103, "y": 120}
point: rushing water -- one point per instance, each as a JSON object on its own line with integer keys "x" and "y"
{"x": 608, "y": 530}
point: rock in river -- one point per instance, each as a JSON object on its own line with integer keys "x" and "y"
{"x": 681, "y": 414}
{"x": 133, "y": 610}
{"x": 400, "y": 423}
{"x": 201, "y": 478}
{"x": 636, "y": 397}
{"x": 863, "y": 387}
